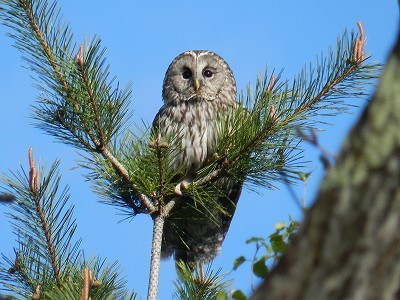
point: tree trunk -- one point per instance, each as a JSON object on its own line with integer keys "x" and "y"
{"x": 349, "y": 244}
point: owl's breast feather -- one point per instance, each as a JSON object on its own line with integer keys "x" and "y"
{"x": 195, "y": 127}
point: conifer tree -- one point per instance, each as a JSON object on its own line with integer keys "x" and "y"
{"x": 79, "y": 105}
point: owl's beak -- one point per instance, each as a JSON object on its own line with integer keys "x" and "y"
{"x": 196, "y": 84}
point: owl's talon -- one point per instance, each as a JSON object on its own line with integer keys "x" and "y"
{"x": 184, "y": 185}
{"x": 181, "y": 187}
{"x": 177, "y": 190}
{"x": 215, "y": 156}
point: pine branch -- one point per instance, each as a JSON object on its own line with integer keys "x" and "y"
{"x": 79, "y": 106}
{"x": 92, "y": 280}
{"x": 44, "y": 220}
{"x": 29, "y": 16}
{"x": 192, "y": 284}
{"x": 261, "y": 141}
{"x": 44, "y": 226}
{"x": 47, "y": 263}
{"x": 80, "y": 61}
{"x": 265, "y": 135}
{"x": 259, "y": 153}
{"x": 351, "y": 233}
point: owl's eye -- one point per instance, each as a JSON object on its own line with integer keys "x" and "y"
{"x": 207, "y": 73}
{"x": 187, "y": 74}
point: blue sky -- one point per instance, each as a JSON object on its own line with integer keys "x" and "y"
{"x": 142, "y": 37}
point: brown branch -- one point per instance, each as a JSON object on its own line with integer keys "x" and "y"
{"x": 210, "y": 177}
{"x": 34, "y": 186}
{"x": 124, "y": 173}
{"x": 169, "y": 206}
{"x": 47, "y": 50}
{"x": 50, "y": 57}
{"x": 155, "y": 257}
{"x": 88, "y": 283}
{"x": 268, "y": 130}
{"x": 99, "y": 145}
{"x": 100, "y": 141}
{"x": 357, "y": 58}
{"x": 37, "y": 294}
{"x": 185, "y": 185}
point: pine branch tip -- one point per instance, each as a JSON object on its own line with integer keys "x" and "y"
{"x": 359, "y": 43}
{"x": 272, "y": 114}
{"x": 79, "y": 57}
{"x": 89, "y": 282}
{"x": 37, "y": 294}
{"x": 33, "y": 173}
{"x": 271, "y": 83}
{"x": 158, "y": 143}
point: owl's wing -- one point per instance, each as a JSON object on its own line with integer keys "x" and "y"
{"x": 156, "y": 122}
{"x": 233, "y": 193}
{"x": 194, "y": 233}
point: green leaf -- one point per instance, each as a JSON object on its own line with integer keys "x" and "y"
{"x": 291, "y": 237}
{"x": 254, "y": 240}
{"x": 304, "y": 176}
{"x": 294, "y": 225}
{"x": 238, "y": 295}
{"x": 238, "y": 261}
{"x": 260, "y": 269}
{"x": 222, "y": 296}
{"x": 277, "y": 243}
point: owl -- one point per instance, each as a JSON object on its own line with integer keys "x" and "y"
{"x": 199, "y": 92}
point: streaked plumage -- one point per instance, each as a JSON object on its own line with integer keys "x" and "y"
{"x": 199, "y": 90}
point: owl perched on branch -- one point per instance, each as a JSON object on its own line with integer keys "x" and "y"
{"x": 199, "y": 92}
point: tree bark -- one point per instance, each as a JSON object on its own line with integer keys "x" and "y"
{"x": 349, "y": 244}
{"x": 158, "y": 225}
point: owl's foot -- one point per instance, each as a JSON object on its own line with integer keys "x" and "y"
{"x": 183, "y": 185}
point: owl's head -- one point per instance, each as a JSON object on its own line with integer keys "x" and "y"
{"x": 198, "y": 75}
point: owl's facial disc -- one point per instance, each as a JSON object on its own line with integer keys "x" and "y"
{"x": 196, "y": 75}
